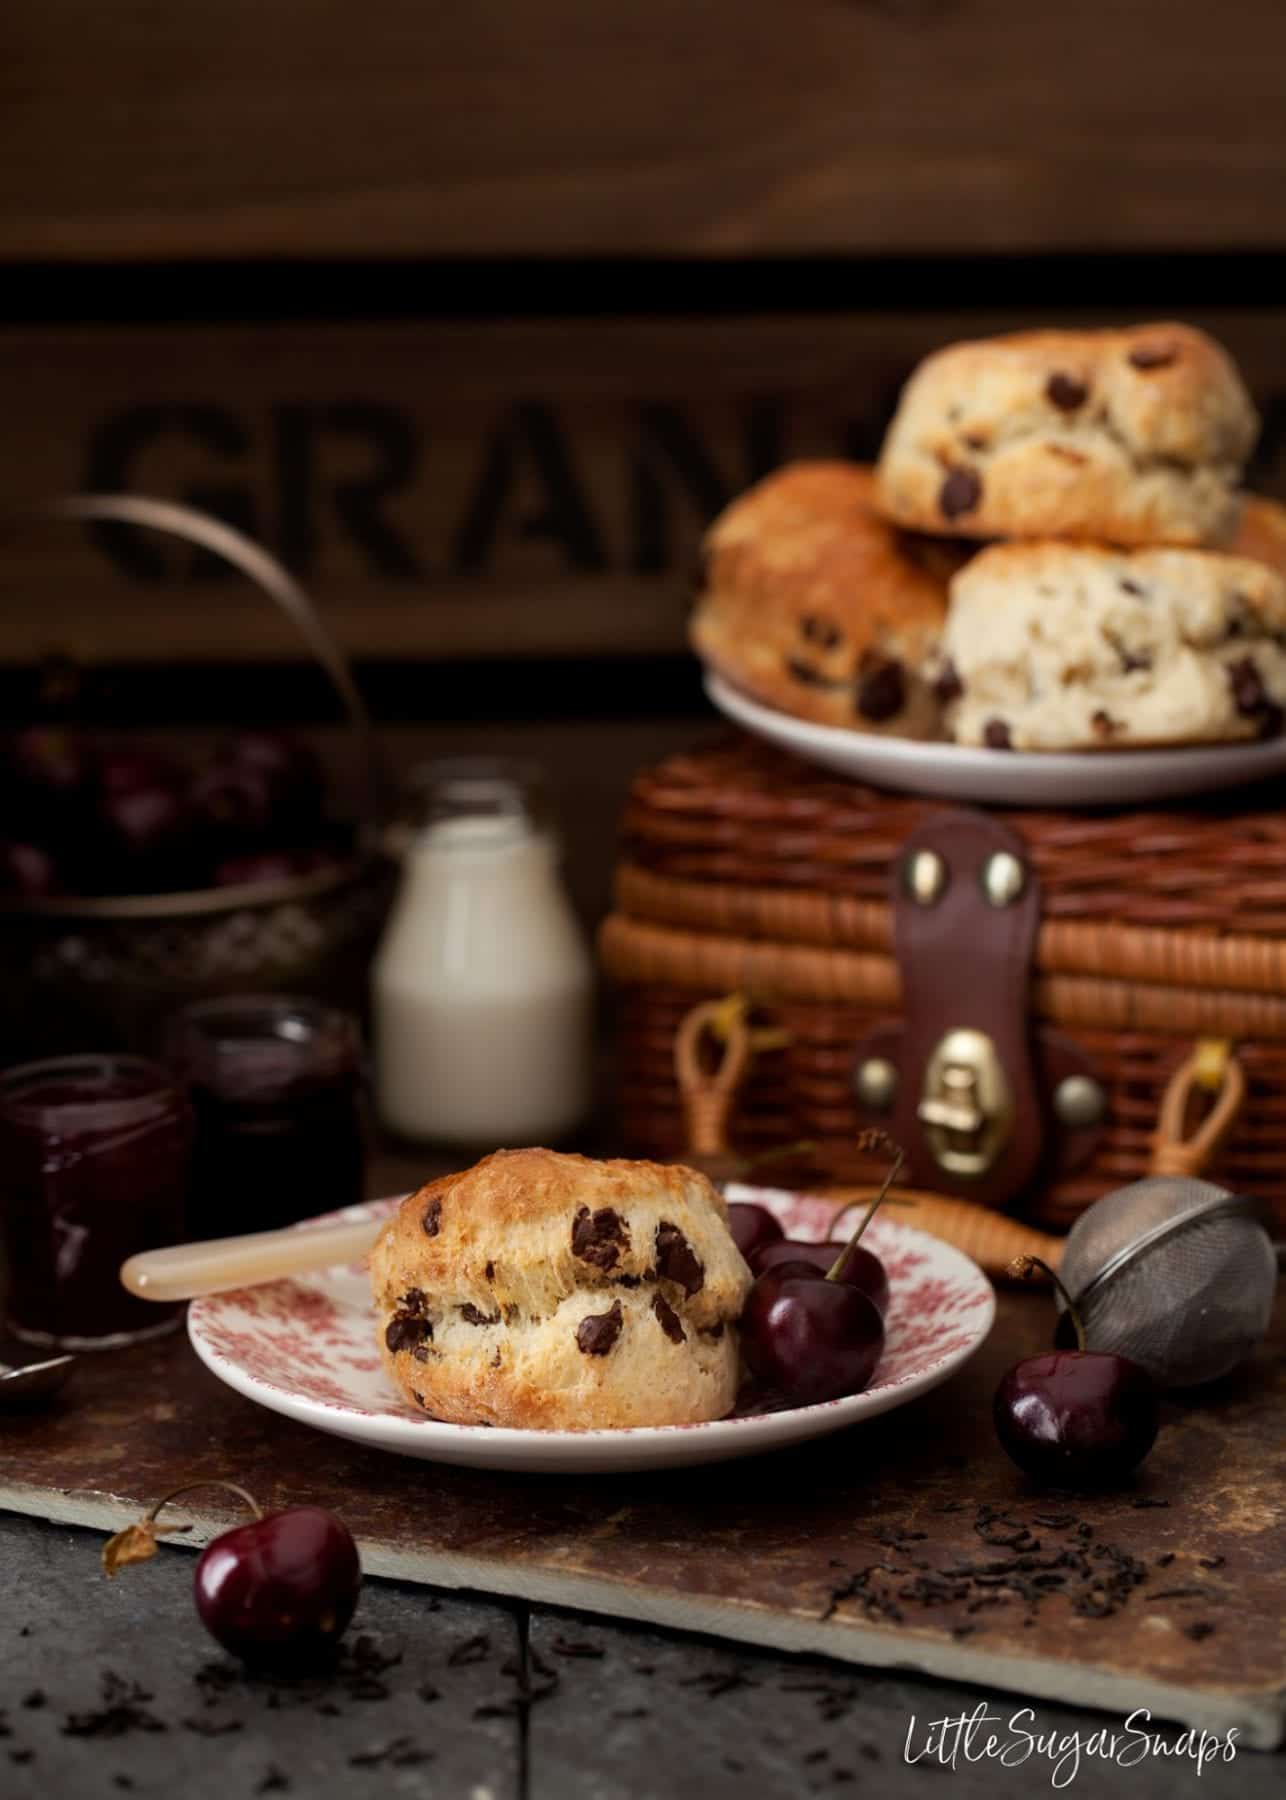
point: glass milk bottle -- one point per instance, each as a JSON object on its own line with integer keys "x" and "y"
{"x": 482, "y": 982}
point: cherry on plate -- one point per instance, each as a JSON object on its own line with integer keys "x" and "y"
{"x": 752, "y": 1228}
{"x": 808, "y": 1337}
{"x": 861, "y": 1267}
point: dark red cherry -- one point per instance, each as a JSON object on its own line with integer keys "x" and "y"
{"x": 752, "y": 1228}
{"x": 810, "y": 1338}
{"x": 292, "y": 772}
{"x": 1077, "y": 1418}
{"x": 862, "y": 1268}
{"x": 281, "y": 1590}
{"x": 27, "y": 871}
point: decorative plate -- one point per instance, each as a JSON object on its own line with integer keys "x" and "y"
{"x": 1006, "y": 777}
{"x": 306, "y": 1348}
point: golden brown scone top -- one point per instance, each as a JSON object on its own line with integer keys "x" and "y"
{"x": 1135, "y": 435}
{"x": 814, "y": 604}
{"x": 522, "y": 1228}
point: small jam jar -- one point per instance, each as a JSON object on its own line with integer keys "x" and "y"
{"x": 277, "y": 1090}
{"x": 94, "y": 1155}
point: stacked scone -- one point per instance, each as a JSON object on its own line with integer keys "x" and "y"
{"x": 1132, "y": 599}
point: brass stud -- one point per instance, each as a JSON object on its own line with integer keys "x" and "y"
{"x": 924, "y": 876}
{"x": 876, "y": 1084}
{"x": 1004, "y": 879}
{"x": 1079, "y": 1102}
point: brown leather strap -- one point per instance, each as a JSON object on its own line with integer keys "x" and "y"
{"x": 966, "y": 963}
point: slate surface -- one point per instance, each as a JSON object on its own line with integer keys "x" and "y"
{"x": 1172, "y": 1594}
{"x": 611, "y": 1710}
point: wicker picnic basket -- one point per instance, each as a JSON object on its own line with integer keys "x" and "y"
{"x": 1084, "y": 962}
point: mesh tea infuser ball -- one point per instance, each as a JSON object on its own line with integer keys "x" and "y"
{"x": 1176, "y": 1273}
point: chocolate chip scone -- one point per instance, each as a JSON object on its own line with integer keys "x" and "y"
{"x": 1136, "y": 436}
{"x": 561, "y": 1294}
{"x": 1070, "y": 647}
{"x": 815, "y": 605}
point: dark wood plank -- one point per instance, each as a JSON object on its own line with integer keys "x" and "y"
{"x": 446, "y": 490}
{"x": 563, "y": 126}
{"x": 626, "y": 1710}
{"x": 208, "y": 1731}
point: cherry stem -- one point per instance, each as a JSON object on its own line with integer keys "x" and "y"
{"x": 836, "y": 1270}
{"x": 1024, "y": 1267}
{"x": 230, "y": 1487}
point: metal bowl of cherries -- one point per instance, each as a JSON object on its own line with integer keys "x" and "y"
{"x": 133, "y": 880}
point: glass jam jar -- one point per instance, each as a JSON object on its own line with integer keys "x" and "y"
{"x": 278, "y": 1094}
{"x": 94, "y": 1154}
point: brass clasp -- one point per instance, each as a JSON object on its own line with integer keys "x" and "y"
{"x": 966, "y": 1107}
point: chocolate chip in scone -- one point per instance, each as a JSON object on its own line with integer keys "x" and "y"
{"x": 996, "y": 735}
{"x": 676, "y": 1260}
{"x": 960, "y": 493}
{"x": 627, "y": 1281}
{"x": 596, "y": 1334}
{"x": 810, "y": 676}
{"x": 947, "y": 685}
{"x": 668, "y": 1320}
{"x": 1249, "y": 695}
{"x": 714, "y": 1331}
{"x": 1239, "y": 617}
{"x": 1132, "y": 587}
{"x": 599, "y": 1237}
{"x": 881, "y": 688}
{"x": 490, "y": 1271}
{"x": 1134, "y": 659}
{"x": 1105, "y": 726}
{"x": 1066, "y": 392}
{"x": 406, "y": 1330}
{"x": 421, "y": 1353}
{"x": 820, "y": 630}
{"x": 1154, "y": 356}
{"x": 413, "y": 1300}
{"x": 473, "y": 1315}
{"x": 432, "y": 1220}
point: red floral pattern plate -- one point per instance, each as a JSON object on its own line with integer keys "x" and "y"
{"x": 306, "y": 1348}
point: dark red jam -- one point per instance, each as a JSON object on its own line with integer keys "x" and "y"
{"x": 93, "y": 1167}
{"x": 277, "y": 1092}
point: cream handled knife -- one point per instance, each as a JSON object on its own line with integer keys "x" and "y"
{"x": 183, "y": 1271}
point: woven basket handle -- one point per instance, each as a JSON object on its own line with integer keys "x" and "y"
{"x": 1214, "y": 1066}
{"x": 269, "y": 577}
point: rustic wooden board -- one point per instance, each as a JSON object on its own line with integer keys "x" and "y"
{"x": 817, "y": 1550}
{"x": 446, "y": 490}
{"x": 563, "y": 126}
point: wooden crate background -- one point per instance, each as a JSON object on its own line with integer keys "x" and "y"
{"x": 401, "y": 188}
{"x": 494, "y": 489}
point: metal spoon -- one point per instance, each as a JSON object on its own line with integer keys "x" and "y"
{"x": 33, "y": 1381}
